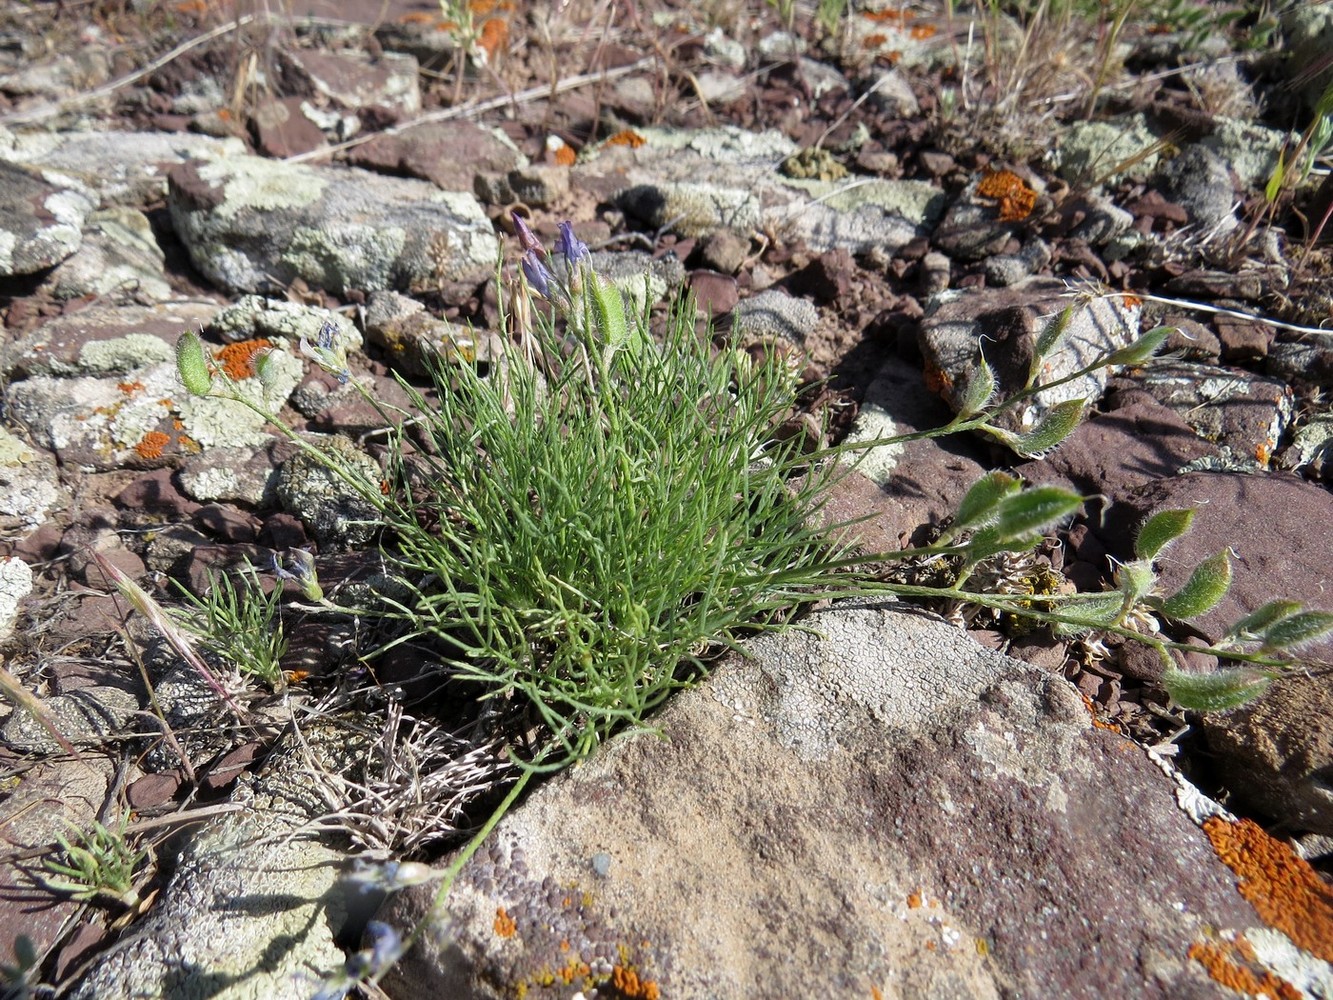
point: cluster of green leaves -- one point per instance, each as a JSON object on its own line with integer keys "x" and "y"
{"x": 241, "y": 625}
{"x": 97, "y": 863}
{"x": 594, "y": 521}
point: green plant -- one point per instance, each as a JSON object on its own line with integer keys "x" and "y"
{"x": 576, "y": 531}
{"x": 243, "y": 626}
{"x": 17, "y": 979}
{"x": 97, "y": 863}
{"x": 828, "y": 13}
{"x": 576, "y": 527}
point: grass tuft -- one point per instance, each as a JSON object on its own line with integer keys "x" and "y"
{"x": 583, "y": 534}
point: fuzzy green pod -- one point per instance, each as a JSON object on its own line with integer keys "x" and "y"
{"x": 980, "y": 388}
{"x": 1098, "y": 612}
{"x": 1057, "y": 425}
{"x": 1298, "y": 630}
{"x": 1035, "y": 510}
{"x": 1160, "y": 530}
{"x": 1206, "y": 586}
{"x": 192, "y": 364}
{"x": 610, "y": 309}
{"x": 1256, "y": 623}
{"x": 983, "y": 499}
{"x": 1142, "y": 349}
{"x": 1215, "y": 692}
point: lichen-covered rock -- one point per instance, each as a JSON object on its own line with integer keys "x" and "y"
{"x": 233, "y": 475}
{"x": 775, "y": 314}
{"x": 412, "y": 336}
{"x": 104, "y": 339}
{"x": 119, "y": 259}
{"x": 144, "y": 417}
{"x": 251, "y": 912}
{"x": 335, "y": 514}
{"x": 1097, "y": 151}
{"x": 450, "y": 155}
{"x": 355, "y": 80}
{"x": 40, "y": 222}
{"x": 253, "y": 316}
{"x": 643, "y": 279}
{"x": 692, "y": 209}
{"x": 868, "y": 807}
{"x": 257, "y": 225}
{"x": 29, "y": 484}
{"x": 113, "y": 168}
{"x": 1244, "y": 413}
{"x": 15, "y": 584}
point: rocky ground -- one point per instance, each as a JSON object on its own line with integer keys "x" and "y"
{"x": 885, "y": 806}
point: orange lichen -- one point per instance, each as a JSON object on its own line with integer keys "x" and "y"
{"x": 626, "y": 137}
{"x": 937, "y": 380}
{"x": 1281, "y": 886}
{"x": 1016, "y": 198}
{"x": 892, "y": 57}
{"x": 1262, "y": 453}
{"x": 130, "y": 388}
{"x": 574, "y": 970}
{"x": 923, "y": 31}
{"x": 1096, "y": 720}
{"x": 914, "y": 901}
{"x": 1131, "y": 301}
{"x": 564, "y": 155}
{"x": 238, "y": 359}
{"x": 627, "y": 981}
{"x": 874, "y": 41}
{"x": 875, "y": 993}
{"x": 1218, "y": 961}
{"x": 151, "y": 445}
{"x": 494, "y": 33}
{"x": 505, "y": 925}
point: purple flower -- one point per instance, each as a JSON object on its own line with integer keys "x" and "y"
{"x": 574, "y": 249}
{"x": 526, "y": 238}
{"x": 304, "y": 573}
{"x": 386, "y": 945}
{"x": 538, "y": 276}
{"x": 326, "y": 353}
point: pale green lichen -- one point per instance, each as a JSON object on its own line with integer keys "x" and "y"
{"x": 255, "y": 183}
{"x": 123, "y": 354}
{"x": 1096, "y": 152}
{"x": 347, "y": 257}
{"x": 13, "y": 451}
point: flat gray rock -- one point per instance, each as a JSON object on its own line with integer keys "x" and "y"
{"x": 877, "y": 807}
